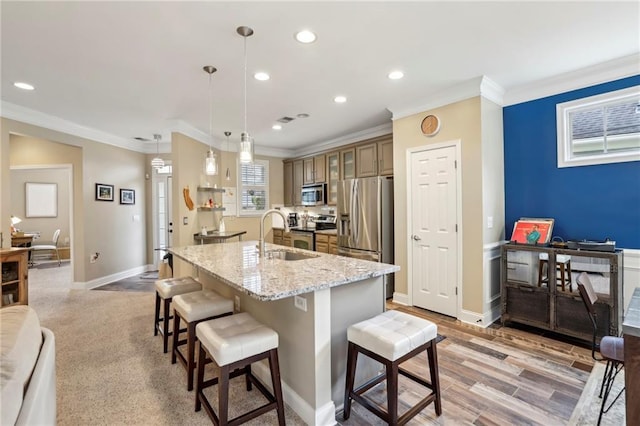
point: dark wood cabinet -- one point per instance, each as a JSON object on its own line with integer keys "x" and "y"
{"x": 532, "y": 294}
{"x": 15, "y": 277}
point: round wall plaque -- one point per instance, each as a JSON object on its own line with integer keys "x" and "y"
{"x": 430, "y": 125}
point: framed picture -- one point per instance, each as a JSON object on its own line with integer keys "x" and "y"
{"x": 104, "y": 192}
{"x": 127, "y": 196}
{"x": 41, "y": 199}
{"x": 532, "y": 231}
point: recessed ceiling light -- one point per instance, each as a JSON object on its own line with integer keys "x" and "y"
{"x": 340, "y": 99}
{"x": 396, "y": 75}
{"x": 276, "y": 127}
{"x": 23, "y": 86}
{"x": 303, "y": 115}
{"x": 262, "y": 76}
{"x": 305, "y": 36}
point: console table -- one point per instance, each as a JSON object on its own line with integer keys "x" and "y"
{"x": 528, "y": 299}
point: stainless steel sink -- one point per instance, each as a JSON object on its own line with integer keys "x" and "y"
{"x": 287, "y": 255}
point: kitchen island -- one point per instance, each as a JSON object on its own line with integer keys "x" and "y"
{"x": 333, "y": 293}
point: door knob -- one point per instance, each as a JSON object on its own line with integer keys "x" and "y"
{"x": 416, "y": 238}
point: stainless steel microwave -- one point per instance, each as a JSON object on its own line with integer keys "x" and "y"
{"x": 314, "y": 195}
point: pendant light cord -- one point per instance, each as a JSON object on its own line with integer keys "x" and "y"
{"x": 210, "y": 114}
{"x": 245, "y": 84}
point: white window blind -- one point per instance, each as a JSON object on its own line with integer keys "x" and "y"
{"x": 254, "y": 188}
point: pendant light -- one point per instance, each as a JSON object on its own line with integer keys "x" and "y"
{"x": 211, "y": 160}
{"x": 157, "y": 162}
{"x": 227, "y": 175}
{"x": 246, "y": 141}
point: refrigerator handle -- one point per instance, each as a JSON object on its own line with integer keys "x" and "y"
{"x": 355, "y": 210}
{"x": 345, "y": 229}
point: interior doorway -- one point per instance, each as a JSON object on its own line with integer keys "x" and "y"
{"x": 162, "y": 215}
{"x": 433, "y": 206}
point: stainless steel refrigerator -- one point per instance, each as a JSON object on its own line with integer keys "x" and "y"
{"x": 365, "y": 221}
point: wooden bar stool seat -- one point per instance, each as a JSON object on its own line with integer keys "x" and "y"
{"x": 234, "y": 343}
{"x": 165, "y": 290}
{"x": 391, "y": 338}
{"x": 194, "y": 308}
{"x": 563, "y": 265}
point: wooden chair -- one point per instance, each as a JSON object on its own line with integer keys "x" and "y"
{"x": 48, "y": 246}
{"x": 611, "y": 347}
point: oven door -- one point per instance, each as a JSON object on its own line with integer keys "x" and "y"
{"x": 302, "y": 240}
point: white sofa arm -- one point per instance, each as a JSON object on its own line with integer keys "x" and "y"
{"x": 39, "y": 404}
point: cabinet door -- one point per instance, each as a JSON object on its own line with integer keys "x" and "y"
{"x": 308, "y": 171}
{"x": 333, "y": 176}
{"x": 367, "y": 160}
{"x": 319, "y": 169}
{"x": 385, "y": 158}
{"x": 288, "y": 183}
{"x": 348, "y": 163}
{"x": 298, "y": 171}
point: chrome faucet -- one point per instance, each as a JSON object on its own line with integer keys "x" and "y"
{"x": 264, "y": 215}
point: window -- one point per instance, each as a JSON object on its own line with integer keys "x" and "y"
{"x": 254, "y": 188}
{"x": 599, "y": 129}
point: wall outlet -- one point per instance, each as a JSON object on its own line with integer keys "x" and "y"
{"x": 236, "y": 303}
{"x": 490, "y": 222}
{"x": 300, "y": 303}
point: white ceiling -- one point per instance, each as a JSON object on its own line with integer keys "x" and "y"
{"x": 132, "y": 69}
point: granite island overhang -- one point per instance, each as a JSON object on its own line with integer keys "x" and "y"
{"x": 338, "y": 291}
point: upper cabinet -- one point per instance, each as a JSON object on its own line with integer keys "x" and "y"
{"x": 348, "y": 163}
{"x": 333, "y": 176}
{"x": 375, "y": 158}
{"x": 288, "y": 183}
{"x": 314, "y": 170}
{"x": 298, "y": 170}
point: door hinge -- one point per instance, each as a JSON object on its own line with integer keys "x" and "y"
{"x": 455, "y": 164}
{"x": 456, "y": 227}
{"x": 456, "y": 291}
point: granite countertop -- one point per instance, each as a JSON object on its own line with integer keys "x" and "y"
{"x": 631, "y": 323}
{"x": 328, "y": 232}
{"x": 218, "y": 234}
{"x": 238, "y": 265}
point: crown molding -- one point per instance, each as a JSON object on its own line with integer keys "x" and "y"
{"x": 478, "y": 86}
{"x": 383, "y": 129}
{"x": 604, "y": 72}
{"x": 37, "y": 118}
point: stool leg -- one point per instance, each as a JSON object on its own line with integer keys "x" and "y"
{"x": 223, "y": 396}
{"x": 247, "y": 372}
{"x": 392, "y": 392}
{"x": 569, "y": 274}
{"x": 200, "y": 380}
{"x": 562, "y": 275}
{"x": 432, "y": 355}
{"x": 352, "y": 358}
{"x": 277, "y": 386}
{"x": 156, "y": 317}
{"x": 191, "y": 345}
{"x": 176, "y": 335}
{"x": 165, "y": 326}
{"x": 540, "y": 271}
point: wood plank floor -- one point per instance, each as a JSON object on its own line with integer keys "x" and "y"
{"x": 494, "y": 376}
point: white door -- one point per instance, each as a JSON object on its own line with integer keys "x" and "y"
{"x": 434, "y": 241}
{"x": 163, "y": 221}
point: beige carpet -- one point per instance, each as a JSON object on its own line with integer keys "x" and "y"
{"x": 588, "y": 407}
{"x": 110, "y": 368}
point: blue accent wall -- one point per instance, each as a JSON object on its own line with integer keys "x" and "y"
{"x": 592, "y": 202}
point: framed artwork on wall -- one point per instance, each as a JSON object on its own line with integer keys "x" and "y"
{"x": 41, "y": 199}
{"x": 127, "y": 196}
{"x": 104, "y": 192}
{"x": 532, "y": 231}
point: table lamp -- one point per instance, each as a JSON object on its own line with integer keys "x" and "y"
{"x": 14, "y": 221}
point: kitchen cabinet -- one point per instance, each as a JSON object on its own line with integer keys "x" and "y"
{"x": 277, "y": 236}
{"x": 286, "y": 239}
{"x": 298, "y": 169}
{"x": 15, "y": 276}
{"x": 530, "y": 299}
{"x": 314, "y": 170}
{"x": 333, "y": 244}
{"x": 288, "y": 183}
{"x": 333, "y": 176}
{"x": 322, "y": 243}
{"x": 348, "y": 163}
{"x": 375, "y": 159}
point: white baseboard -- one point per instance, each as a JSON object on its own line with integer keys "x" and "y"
{"x": 401, "y": 298}
{"x": 324, "y": 416}
{"x": 88, "y": 285}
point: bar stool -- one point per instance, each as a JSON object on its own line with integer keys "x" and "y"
{"x": 165, "y": 290}
{"x": 193, "y": 308}
{"x": 563, "y": 264}
{"x": 234, "y": 343}
{"x": 391, "y": 338}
